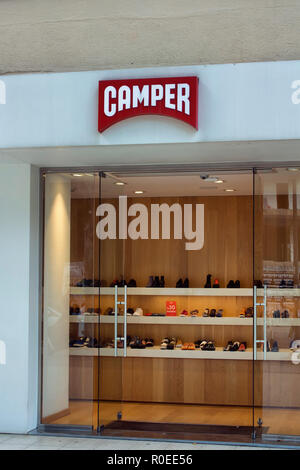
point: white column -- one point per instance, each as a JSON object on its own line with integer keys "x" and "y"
{"x": 19, "y": 234}
{"x": 56, "y": 296}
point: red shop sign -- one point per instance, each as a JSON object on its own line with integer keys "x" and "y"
{"x": 175, "y": 97}
{"x": 171, "y": 310}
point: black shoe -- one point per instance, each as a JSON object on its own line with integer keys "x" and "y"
{"x": 208, "y": 281}
{"x": 162, "y": 281}
{"x": 212, "y": 313}
{"x": 249, "y": 312}
{"x": 131, "y": 283}
{"x": 156, "y": 282}
{"x": 275, "y": 347}
{"x": 186, "y": 283}
{"x": 276, "y": 314}
{"x": 179, "y": 283}
{"x": 216, "y": 284}
{"x": 258, "y": 284}
{"x": 237, "y": 284}
{"x": 282, "y": 283}
{"x": 230, "y": 284}
{"x": 285, "y": 314}
{"x": 290, "y": 284}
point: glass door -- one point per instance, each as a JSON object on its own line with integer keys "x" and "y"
{"x": 70, "y": 300}
{"x": 111, "y": 231}
{"x": 277, "y": 302}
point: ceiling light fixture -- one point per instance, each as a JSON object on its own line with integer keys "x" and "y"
{"x": 219, "y": 181}
{"x": 77, "y": 174}
{"x": 119, "y": 183}
{"x": 293, "y": 169}
{"x": 229, "y": 190}
{"x": 139, "y": 192}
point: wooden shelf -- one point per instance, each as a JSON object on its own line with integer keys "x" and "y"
{"x": 147, "y": 320}
{"x": 156, "y": 352}
{"x": 214, "y": 321}
{"x": 166, "y": 291}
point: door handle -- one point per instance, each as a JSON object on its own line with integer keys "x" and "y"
{"x": 264, "y": 340}
{"x": 116, "y": 323}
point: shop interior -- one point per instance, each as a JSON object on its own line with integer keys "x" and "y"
{"x": 141, "y": 334}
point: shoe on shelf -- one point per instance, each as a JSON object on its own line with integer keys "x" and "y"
{"x": 130, "y": 311}
{"x": 219, "y": 313}
{"x": 185, "y": 346}
{"x": 258, "y": 284}
{"x": 138, "y": 312}
{"x": 237, "y": 284}
{"x": 216, "y": 284}
{"x": 275, "y": 347}
{"x": 208, "y": 282}
{"x": 114, "y": 283}
{"x": 150, "y": 281}
{"x": 171, "y": 344}
{"x": 249, "y": 312}
{"x": 197, "y": 343}
{"x": 243, "y": 346}
{"x": 206, "y": 312}
{"x": 194, "y": 313}
{"x": 184, "y": 313}
{"x": 179, "y": 283}
{"x": 178, "y": 344}
{"x": 122, "y": 283}
{"x": 186, "y": 283}
{"x": 212, "y": 313}
{"x": 203, "y": 345}
{"x": 243, "y": 313}
{"x": 156, "y": 282}
{"x": 131, "y": 283}
{"x": 162, "y": 281}
{"x": 290, "y": 284}
{"x": 285, "y": 314}
{"x": 149, "y": 342}
{"x": 164, "y": 343}
{"x": 191, "y": 346}
{"x": 210, "y": 346}
{"x": 276, "y": 314}
{"x": 78, "y": 343}
{"x": 282, "y": 283}
{"x": 230, "y": 284}
{"x": 109, "y": 311}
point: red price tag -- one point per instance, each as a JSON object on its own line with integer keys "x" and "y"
{"x": 171, "y": 308}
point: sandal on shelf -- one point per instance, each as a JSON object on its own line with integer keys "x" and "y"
{"x": 191, "y": 346}
{"x": 194, "y": 313}
{"x": 185, "y": 346}
{"x": 184, "y": 313}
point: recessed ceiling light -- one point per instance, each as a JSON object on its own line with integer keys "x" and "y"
{"x": 120, "y": 183}
{"x": 219, "y": 181}
{"x": 229, "y": 190}
{"x": 77, "y": 174}
{"x": 293, "y": 169}
{"x": 139, "y": 192}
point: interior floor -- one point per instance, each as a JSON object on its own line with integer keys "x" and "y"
{"x": 282, "y": 421}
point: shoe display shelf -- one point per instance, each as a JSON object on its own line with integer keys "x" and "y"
{"x": 192, "y": 291}
{"x": 167, "y": 291}
{"x": 156, "y": 352}
{"x": 166, "y": 320}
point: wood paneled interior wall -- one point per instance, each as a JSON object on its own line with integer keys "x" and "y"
{"x": 190, "y": 381}
{"x": 227, "y": 251}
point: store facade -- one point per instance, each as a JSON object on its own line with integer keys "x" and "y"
{"x": 158, "y": 226}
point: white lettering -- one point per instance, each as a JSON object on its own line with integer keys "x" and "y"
{"x": 124, "y": 98}
{"x": 109, "y": 110}
{"x": 140, "y": 96}
{"x": 169, "y": 96}
{"x": 157, "y": 93}
{"x": 183, "y": 94}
